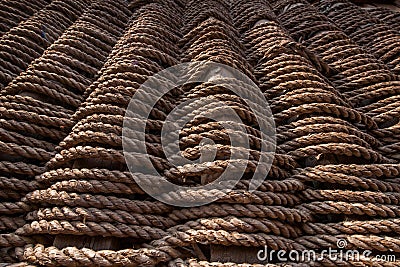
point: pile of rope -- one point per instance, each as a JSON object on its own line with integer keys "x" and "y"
{"x": 13, "y": 12}
{"x": 387, "y": 16}
{"x": 88, "y": 178}
{"x": 333, "y": 197}
{"x": 27, "y": 41}
{"x": 368, "y": 85}
{"x": 366, "y": 30}
{"x": 334, "y": 176}
{"x": 263, "y": 217}
{"x": 37, "y": 107}
{"x": 383, "y": 42}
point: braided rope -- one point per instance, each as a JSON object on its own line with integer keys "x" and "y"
{"x": 13, "y": 12}
{"x": 37, "y": 106}
{"x": 386, "y": 15}
{"x": 364, "y": 29}
{"x": 11, "y": 223}
{"x": 358, "y": 71}
{"x": 47, "y": 16}
{"x": 91, "y": 229}
{"x": 248, "y": 225}
{"x": 100, "y": 215}
{"x": 96, "y": 201}
{"x": 52, "y": 256}
{"x": 333, "y": 207}
{"x": 254, "y": 211}
{"x": 328, "y": 98}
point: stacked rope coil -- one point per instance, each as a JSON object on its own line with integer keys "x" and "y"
{"x": 383, "y": 41}
{"x": 386, "y": 107}
{"x": 343, "y": 196}
{"x": 389, "y": 17}
{"x": 256, "y": 54}
{"x": 90, "y": 191}
{"x": 27, "y": 41}
{"x": 333, "y": 177}
{"x": 322, "y": 124}
{"x": 308, "y": 100}
{"x": 366, "y": 30}
{"x": 175, "y": 239}
{"x": 219, "y": 33}
{"x": 36, "y": 113}
{"x": 13, "y": 12}
{"x": 367, "y": 83}
{"x": 355, "y": 203}
{"x": 263, "y": 217}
